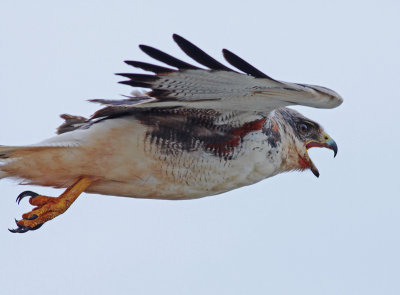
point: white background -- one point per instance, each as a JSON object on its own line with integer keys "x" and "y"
{"x": 291, "y": 234}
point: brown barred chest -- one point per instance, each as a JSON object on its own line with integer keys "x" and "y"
{"x": 193, "y": 160}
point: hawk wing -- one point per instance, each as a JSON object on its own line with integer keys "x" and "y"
{"x": 213, "y": 107}
{"x": 218, "y": 87}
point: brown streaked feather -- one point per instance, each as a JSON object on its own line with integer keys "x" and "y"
{"x": 71, "y": 123}
{"x": 192, "y": 129}
{"x": 189, "y": 129}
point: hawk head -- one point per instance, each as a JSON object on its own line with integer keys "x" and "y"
{"x": 303, "y": 134}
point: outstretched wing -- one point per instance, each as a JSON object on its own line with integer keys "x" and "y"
{"x": 219, "y": 87}
{"x": 214, "y": 107}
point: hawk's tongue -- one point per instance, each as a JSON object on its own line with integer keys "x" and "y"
{"x": 314, "y": 169}
{"x": 307, "y": 163}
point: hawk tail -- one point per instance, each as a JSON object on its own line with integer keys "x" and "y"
{"x": 5, "y": 154}
{"x": 10, "y": 153}
{"x": 6, "y": 151}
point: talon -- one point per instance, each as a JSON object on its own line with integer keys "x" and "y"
{"x": 26, "y": 194}
{"x": 22, "y": 229}
{"x": 47, "y": 208}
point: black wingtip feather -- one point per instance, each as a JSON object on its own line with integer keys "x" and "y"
{"x": 149, "y": 67}
{"x": 243, "y": 65}
{"x": 139, "y": 77}
{"x": 199, "y": 55}
{"x": 166, "y": 58}
{"x": 136, "y": 84}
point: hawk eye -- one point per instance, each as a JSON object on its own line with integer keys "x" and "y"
{"x": 303, "y": 128}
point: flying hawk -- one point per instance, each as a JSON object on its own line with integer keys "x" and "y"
{"x": 198, "y": 132}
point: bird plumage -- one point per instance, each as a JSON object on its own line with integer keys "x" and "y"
{"x": 162, "y": 153}
{"x": 198, "y": 132}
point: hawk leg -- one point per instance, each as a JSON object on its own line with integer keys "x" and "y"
{"x": 48, "y": 208}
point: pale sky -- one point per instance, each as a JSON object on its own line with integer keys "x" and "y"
{"x": 290, "y": 234}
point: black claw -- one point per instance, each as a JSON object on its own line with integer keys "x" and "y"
{"x": 24, "y": 229}
{"x": 34, "y": 216}
{"x": 20, "y": 229}
{"x": 26, "y": 194}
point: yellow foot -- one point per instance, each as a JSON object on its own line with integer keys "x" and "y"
{"x": 48, "y": 208}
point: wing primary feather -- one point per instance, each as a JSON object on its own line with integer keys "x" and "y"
{"x": 139, "y": 77}
{"x": 149, "y": 67}
{"x": 243, "y": 65}
{"x": 136, "y": 84}
{"x": 166, "y": 58}
{"x": 199, "y": 55}
{"x": 123, "y": 102}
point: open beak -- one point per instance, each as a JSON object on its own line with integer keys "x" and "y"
{"x": 326, "y": 142}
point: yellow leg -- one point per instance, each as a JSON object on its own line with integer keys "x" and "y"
{"x": 48, "y": 208}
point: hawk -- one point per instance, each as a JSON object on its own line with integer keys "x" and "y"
{"x": 199, "y": 131}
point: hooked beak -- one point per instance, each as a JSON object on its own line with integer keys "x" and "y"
{"x": 327, "y": 142}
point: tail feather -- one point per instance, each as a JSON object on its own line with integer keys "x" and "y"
{"x": 35, "y": 163}
{"x": 7, "y": 151}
